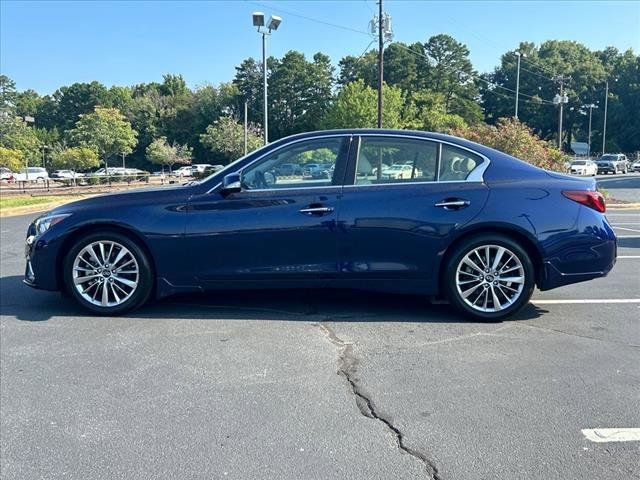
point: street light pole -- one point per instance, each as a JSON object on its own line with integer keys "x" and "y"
{"x": 264, "y": 79}
{"x": 246, "y": 127}
{"x": 604, "y": 127}
{"x": 274, "y": 23}
{"x": 28, "y": 119}
{"x": 380, "y": 61}
{"x": 43, "y": 148}
{"x": 517, "y": 83}
{"x": 591, "y": 106}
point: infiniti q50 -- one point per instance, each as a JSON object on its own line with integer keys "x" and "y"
{"x": 461, "y": 221}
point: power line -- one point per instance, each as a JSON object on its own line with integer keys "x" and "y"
{"x": 488, "y": 82}
{"x": 343, "y": 27}
{"x": 311, "y": 19}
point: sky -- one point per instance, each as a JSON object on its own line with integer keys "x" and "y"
{"x": 45, "y": 45}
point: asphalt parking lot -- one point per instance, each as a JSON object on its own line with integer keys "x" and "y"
{"x": 317, "y": 385}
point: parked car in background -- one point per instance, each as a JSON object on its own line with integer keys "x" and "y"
{"x": 66, "y": 174}
{"x": 32, "y": 174}
{"x": 583, "y": 167}
{"x": 288, "y": 170}
{"x": 102, "y": 172}
{"x": 401, "y": 171}
{"x": 7, "y": 175}
{"x": 200, "y": 167}
{"x": 477, "y": 226}
{"x": 613, "y": 163}
{"x": 635, "y": 166}
{"x": 186, "y": 171}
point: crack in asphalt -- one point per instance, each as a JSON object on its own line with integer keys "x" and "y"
{"x": 347, "y": 364}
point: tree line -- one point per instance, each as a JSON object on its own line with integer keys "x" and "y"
{"x": 428, "y": 86}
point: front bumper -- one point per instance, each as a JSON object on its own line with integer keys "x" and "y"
{"x": 40, "y": 262}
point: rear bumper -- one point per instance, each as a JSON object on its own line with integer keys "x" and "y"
{"x": 553, "y": 275}
{"x": 583, "y": 255}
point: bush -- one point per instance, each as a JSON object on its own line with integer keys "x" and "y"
{"x": 517, "y": 139}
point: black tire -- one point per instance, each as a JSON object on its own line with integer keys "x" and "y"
{"x": 145, "y": 276}
{"x": 455, "y": 258}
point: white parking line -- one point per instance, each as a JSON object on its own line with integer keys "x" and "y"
{"x": 628, "y": 256}
{"x": 626, "y": 229}
{"x": 573, "y": 301}
{"x": 602, "y": 435}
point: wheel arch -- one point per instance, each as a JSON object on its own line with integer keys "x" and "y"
{"x": 78, "y": 233}
{"x": 522, "y": 238}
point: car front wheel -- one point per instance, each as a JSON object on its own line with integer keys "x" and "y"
{"x": 489, "y": 277}
{"x": 108, "y": 273}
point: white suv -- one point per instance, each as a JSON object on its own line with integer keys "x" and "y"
{"x": 32, "y": 174}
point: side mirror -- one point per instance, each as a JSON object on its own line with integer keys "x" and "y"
{"x": 231, "y": 184}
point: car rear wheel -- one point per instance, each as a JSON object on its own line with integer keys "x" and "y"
{"x": 489, "y": 277}
{"x": 108, "y": 273}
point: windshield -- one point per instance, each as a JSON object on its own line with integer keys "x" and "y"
{"x": 609, "y": 157}
{"x": 579, "y": 163}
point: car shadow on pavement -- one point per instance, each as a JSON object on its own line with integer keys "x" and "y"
{"x": 26, "y": 304}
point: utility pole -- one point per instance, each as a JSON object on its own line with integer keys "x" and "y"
{"x": 123, "y": 155}
{"x": 560, "y": 100}
{"x": 381, "y": 24}
{"x": 380, "y": 61}
{"x": 604, "y": 128}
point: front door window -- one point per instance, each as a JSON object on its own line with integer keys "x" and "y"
{"x": 309, "y": 163}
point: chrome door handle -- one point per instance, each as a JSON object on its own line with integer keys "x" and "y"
{"x": 316, "y": 210}
{"x": 453, "y": 204}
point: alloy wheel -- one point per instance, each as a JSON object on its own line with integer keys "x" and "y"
{"x": 490, "y": 278}
{"x": 105, "y": 273}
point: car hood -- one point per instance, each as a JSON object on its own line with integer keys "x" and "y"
{"x": 172, "y": 194}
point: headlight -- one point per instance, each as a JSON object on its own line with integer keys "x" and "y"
{"x": 47, "y": 221}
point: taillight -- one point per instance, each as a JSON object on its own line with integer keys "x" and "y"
{"x": 590, "y": 199}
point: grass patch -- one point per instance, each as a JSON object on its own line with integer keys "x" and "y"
{"x": 27, "y": 200}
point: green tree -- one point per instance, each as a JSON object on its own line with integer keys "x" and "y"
{"x": 356, "y": 106}
{"x": 27, "y": 103}
{"x": 426, "y": 110}
{"x": 11, "y": 159}
{"x": 106, "y": 130}
{"x": 538, "y": 88}
{"x": 8, "y": 94}
{"x": 159, "y": 152}
{"x": 16, "y": 135}
{"x": 226, "y": 137}
{"x": 74, "y": 158}
{"x": 75, "y": 100}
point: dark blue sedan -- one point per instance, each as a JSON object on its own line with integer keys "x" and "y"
{"x": 406, "y": 212}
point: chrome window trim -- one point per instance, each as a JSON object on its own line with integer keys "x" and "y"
{"x": 397, "y": 184}
{"x": 475, "y": 176}
{"x": 279, "y": 148}
{"x": 275, "y": 190}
